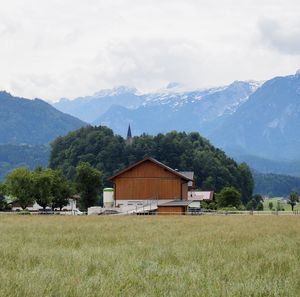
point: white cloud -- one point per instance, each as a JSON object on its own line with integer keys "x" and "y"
{"x": 283, "y": 38}
{"x": 52, "y": 49}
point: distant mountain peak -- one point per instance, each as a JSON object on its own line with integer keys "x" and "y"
{"x": 267, "y": 124}
{"x": 5, "y": 94}
{"x": 116, "y": 91}
{"x": 173, "y": 85}
{"x": 253, "y": 84}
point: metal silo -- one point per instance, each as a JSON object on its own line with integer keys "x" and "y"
{"x": 108, "y": 197}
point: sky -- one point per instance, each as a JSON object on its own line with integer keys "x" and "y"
{"x": 69, "y": 48}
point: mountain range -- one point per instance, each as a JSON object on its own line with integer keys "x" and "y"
{"x": 90, "y": 108}
{"x": 159, "y": 112}
{"x": 252, "y": 121}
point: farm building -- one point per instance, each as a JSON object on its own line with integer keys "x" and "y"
{"x": 150, "y": 182}
{"x": 173, "y": 207}
{"x": 201, "y": 195}
{"x": 197, "y": 196}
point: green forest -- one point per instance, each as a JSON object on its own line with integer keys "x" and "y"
{"x": 109, "y": 153}
{"x": 14, "y": 156}
{"x": 275, "y": 184}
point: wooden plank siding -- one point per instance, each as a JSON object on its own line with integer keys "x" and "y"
{"x": 149, "y": 181}
{"x": 147, "y": 169}
{"x": 171, "y": 210}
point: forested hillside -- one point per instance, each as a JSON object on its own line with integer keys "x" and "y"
{"x": 275, "y": 184}
{"x": 263, "y": 165}
{"x": 24, "y": 121}
{"x": 13, "y": 156}
{"x": 110, "y": 153}
{"x": 25, "y": 127}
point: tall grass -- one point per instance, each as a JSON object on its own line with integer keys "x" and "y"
{"x": 149, "y": 256}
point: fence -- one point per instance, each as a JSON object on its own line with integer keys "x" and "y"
{"x": 147, "y": 213}
{"x": 222, "y": 213}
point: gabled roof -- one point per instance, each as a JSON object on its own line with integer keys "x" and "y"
{"x": 182, "y": 176}
{"x": 200, "y": 195}
{"x": 188, "y": 174}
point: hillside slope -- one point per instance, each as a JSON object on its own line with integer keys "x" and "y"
{"x": 275, "y": 185}
{"x": 14, "y": 156}
{"x": 24, "y": 121}
{"x": 268, "y": 124}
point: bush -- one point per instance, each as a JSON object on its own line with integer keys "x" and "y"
{"x": 229, "y": 197}
{"x": 260, "y": 206}
{"x": 211, "y": 205}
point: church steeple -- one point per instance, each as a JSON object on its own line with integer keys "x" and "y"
{"x": 129, "y": 138}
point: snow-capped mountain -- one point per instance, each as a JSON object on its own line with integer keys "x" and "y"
{"x": 239, "y": 90}
{"x": 210, "y": 102}
{"x": 177, "y": 99}
{"x": 178, "y": 110}
{"x": 268, "y": 124}
{"x": 89, "y": 108}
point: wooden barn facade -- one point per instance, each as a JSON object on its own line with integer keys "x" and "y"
{"x": 149, "y": 180}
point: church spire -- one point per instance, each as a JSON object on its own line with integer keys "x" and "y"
{"x": 129, "y": 138}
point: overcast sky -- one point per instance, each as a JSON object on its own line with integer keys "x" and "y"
{"x": 69, "y": 48}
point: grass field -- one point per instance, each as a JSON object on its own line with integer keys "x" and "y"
{"x": 149, "y": 256}
{"x": 283, "y": 204}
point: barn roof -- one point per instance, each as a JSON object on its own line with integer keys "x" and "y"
{"x": 188, "y": 174}
{"x": 201, "y": 195}
{"x": 182, "y": 176}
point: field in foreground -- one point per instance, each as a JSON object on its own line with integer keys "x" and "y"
{"x": 149, "y": 256}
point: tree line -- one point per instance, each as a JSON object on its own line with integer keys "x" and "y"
{"x": 82, "y": 161}
{"x": 271, "y": 184}
{"x": 51, "y": 188}
{"x": 15, "y": 156}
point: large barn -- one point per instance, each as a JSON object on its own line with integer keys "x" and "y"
{"x": 150, "y": 182}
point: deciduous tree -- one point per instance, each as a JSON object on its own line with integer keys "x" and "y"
{"x": 293, "y": 199}
{"x": 42, "y": 186}
{"x": 88, "y": 183}
{"x": 229, "y": 197}
{"x": 19, "y": 184}
{"x": 61, "y": 190}
{"x": 255, "y": 203}
{"x": 271, "y": 205}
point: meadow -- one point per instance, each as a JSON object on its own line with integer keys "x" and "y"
{"x": 149, "y": 256}
{"x": 283, "y": 204}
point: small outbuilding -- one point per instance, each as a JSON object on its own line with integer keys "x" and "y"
{"x": 201, "y": 195}
{"x": 175, "y": 207}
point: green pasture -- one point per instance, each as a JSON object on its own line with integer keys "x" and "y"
{"x": 149, "y": 256}
{"x": 283, "y": 204}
